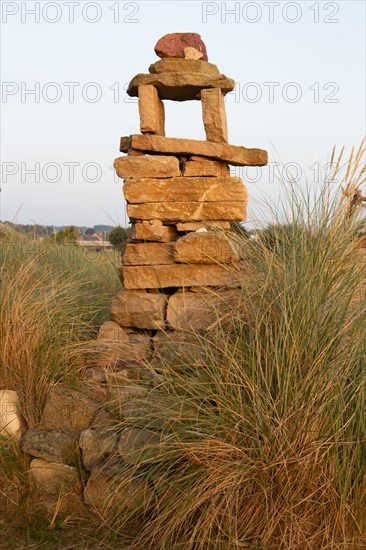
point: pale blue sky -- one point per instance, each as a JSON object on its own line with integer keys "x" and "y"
{"x": 325, "y": 60}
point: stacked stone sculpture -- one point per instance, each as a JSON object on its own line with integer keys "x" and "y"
{"x": 180, "y": 267}
{"x": 180, "y": 199}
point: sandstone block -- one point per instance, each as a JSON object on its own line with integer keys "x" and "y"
{"x": 123, "y": 394}
{"x": 206, "y": 168}
{"x": 100, "y": 492}
{"x": 53, "y": 445}
{"x": 135, "y": 440}
{"x": 150, "y": 414}
{"x": 232, "y": 154}
{"x": 188, "y": 211}
{"x": 154, "y": 231}
{"x": 178, "y": 349}
{"x": 214, "y": 115}
{"x": 96, "y": 445}
{"x": 151, "y": 111}
{"x": 104, "y": 421}
{"x": 180, "y": 65}
{"x": 205, "y": 248}
{"x": 173, "y": 44}
{"x": 110, "y": 331}
{"x": 198, "y": 311}
{"x": 67, "y": 409}
{"x": 139, "y": 309}
{"x": 157, "y": 166}
{"x": 195, "y": 226}
{"x": 184, "y": 189}
{"x": 180, "y": 86}
{"x": 10, "y": 420}
{"x": 52, "y": 477}
{"x": 105, "y": 492}
{"x": 178, "y": 275}
{"x": 147, "y": 253}
{"x": 117, "y": 345}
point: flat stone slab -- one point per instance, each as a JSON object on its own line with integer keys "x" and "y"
{"x": 180, "y": 86}
{"x": 178, "y": 275}
{"x": 148, "y": 254}
{"x": 67, "y": 409}
{"x": 205, "y": 247}
{"x": 180, "y": 65}
{"x": 188, "y": 211}
{"x": 52, "y": 477}
{"x": 205, "y": 168}
{"x": 96, "y": 445}
{"x": 116, "y": 345}
{"x": 113, "y": 333}
{"x": 198, "y": 311}
{"x": 232, "y": 154}
{"x": 195, "y": 226}
{"x": 147, "y": 167}
{"x": 185, "y": 189}
{"x": 138, "y": 309}
{"x": 53, "y": 445}
{"x": 154, "y": 231}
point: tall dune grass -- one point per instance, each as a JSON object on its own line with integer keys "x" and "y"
{"x": 52, "y": 296}
{"x": 264, "y": 444}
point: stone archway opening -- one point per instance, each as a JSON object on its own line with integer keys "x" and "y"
{"x": 184, "y": 121}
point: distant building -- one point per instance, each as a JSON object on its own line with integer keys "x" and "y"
{"x": 91, "y": 235}
{"x": 94, "y": 244}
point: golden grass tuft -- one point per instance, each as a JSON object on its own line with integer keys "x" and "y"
{"x": 264, "y": 443}
{"x": 52, "y": 297}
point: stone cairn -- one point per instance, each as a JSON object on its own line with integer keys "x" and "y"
{"x": 180, "y": 258}
{"x": 180, "y": 200}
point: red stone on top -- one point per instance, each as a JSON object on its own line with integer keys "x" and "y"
{"x": 172, "y": 45}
